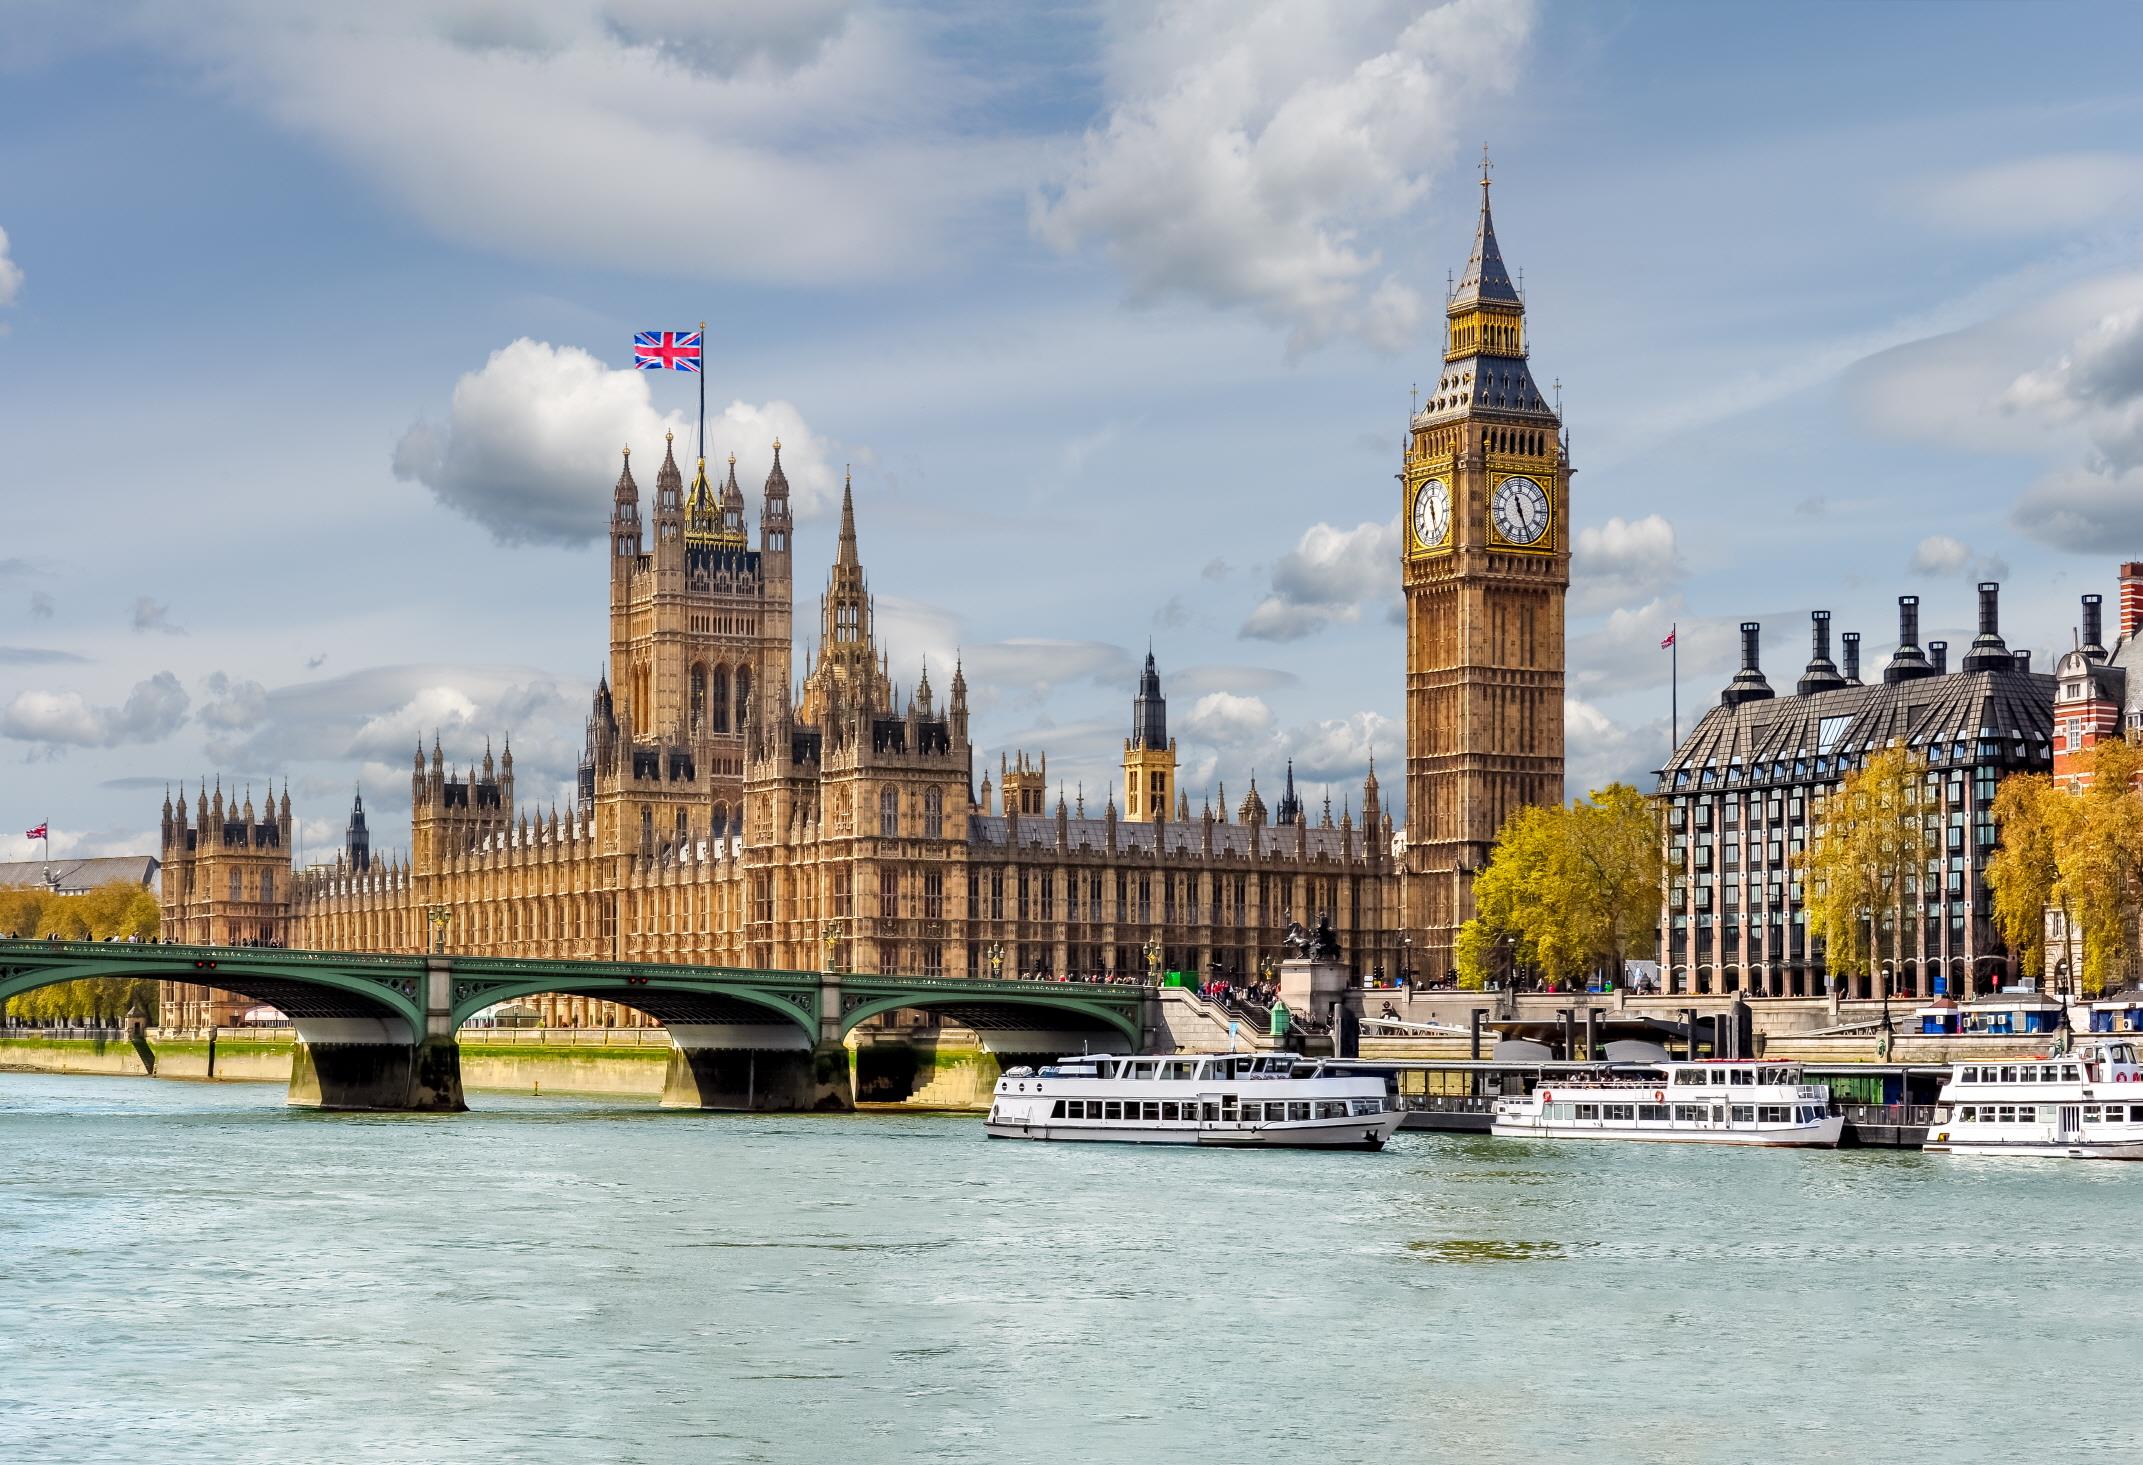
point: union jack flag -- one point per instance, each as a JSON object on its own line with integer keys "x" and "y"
{"x": 666, "y": 350}
{"x": 37, "y": 833}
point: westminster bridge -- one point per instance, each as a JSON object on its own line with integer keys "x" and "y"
{"x": 379, "y": 1032}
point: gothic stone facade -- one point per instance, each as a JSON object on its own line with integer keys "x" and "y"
{"x": 726, "y": 817}
{"x": 1485, "y": 566}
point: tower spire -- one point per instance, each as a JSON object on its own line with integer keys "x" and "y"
{"x": 1486, "y": 277}
{"x": 847, "y": 555}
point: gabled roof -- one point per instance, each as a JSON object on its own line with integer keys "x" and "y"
{"x": 2010, "y": 705}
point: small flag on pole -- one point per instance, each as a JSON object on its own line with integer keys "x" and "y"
{"x": 42, "y": 831}
{"x": 1668, "y": 642}
{"x": 666, "y": 350}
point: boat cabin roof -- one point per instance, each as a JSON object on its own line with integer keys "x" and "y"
{"x": 1175, "y": 1066}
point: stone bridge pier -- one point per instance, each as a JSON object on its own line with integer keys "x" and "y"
{"x": 761, "y": 1061}
{"x": 382, "y": 1063}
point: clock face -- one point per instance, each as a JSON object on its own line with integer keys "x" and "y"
{"x": 1432, "y": 513}
{"x": 1521, "y": 510}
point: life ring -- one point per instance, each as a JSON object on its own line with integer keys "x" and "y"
{"x": 2124, "y": 1078}
{"x": 1546, "y": 1097}
{"x": 1659, "y": 1096}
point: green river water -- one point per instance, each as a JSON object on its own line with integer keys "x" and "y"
{"x": 196, "y": 1273}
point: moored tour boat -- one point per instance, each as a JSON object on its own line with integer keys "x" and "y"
{"x": 1233, "y": 1099}
{"x": 1713, "y": 1103}
{"x": 2084, "y": 1105}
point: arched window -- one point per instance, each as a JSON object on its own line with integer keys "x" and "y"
{"x": 720, "y": 824}
{"x": 684, "y": 829}
{"x": 699, "y": 695}
{"x": 267, "y": 885}
{"x": 933, "y": 814}
{"x": 235, "y": 887}
{"x": 888, "y": 812}
{"x": 718, "y": 695}
{"x": 744, "y": 698}
{"x": 647, "y": 829}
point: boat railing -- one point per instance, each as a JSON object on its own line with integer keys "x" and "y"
{"x": 1449, "y": 1103}
{"x": 1892, "y": 1116}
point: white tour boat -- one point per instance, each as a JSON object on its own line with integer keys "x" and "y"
{"x": 2085, "y": 1105}
{"x": 1264, "y": 1100}
{"x": 1714, "y": 1103}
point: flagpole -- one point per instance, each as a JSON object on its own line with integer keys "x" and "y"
{"x": 1674, "y": 696}
{"x": 703, "y": 391}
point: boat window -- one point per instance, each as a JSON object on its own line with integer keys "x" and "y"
{"x": 1688, "y": 1113}
{"x": 1298, "y": 1111}
{"x": 1740, "y": 1076}
{"x": 1056, "y": 1110}
{"x": 1112, "y": 1110}
{"x": 1654, "y": 1112}
{"x": 2009, "y": 1074}
{"x": 1618, "y": 1111}
{"x": 1252, "y": 1113}
{"x": 1368, "y": 1106}
{"x": 2090, "y": 1114}
{"x": 1179, "y": 1068}
{"x": 1588, "y": 1111}
{"x": 1153, "y": 1111}
{"x": 1771, "y": 1114}
{"x": 1211, "y": 1113}
{"x": 2135, "y": 1113}
{"x": 1170, "y": 1112}
{"x": 1688, "y": 1076}
{"x": 2069, "y": 1073}
{"x": 1331, "y": 1108}
{"x": 1744, "y": 1113}
{"x": 1966, "y": 1114}
{"x": 2005, "y": 1114}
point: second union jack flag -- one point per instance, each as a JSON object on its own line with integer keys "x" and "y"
{"x": 666, "y": 350}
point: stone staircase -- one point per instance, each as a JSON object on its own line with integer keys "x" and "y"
{"x": 951, "y": 1088}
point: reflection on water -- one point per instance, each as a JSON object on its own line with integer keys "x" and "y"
{"x": 1478, "y": 1250}
{"x": 193, "y": 1272}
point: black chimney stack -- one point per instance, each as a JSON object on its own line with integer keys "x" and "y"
{"x": 1988, "y": 653}
{"x": 2023, "y": 659}
{"x": 1908, "y": 661}
{"x": 1822, "y": 674}
{"x": 2094, "y": 627}
{"x": 1852, "y": 658}
{"x": 1748, "y": 684}
{"x": 1938, "y": 656}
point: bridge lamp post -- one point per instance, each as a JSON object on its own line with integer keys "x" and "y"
{"x": 995, "y": 956}
{"x": 1153, "y": 960}
{"x": 830, "y": 933}
{"x": 440, "y": 917}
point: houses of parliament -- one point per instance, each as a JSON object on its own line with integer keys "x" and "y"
{"x": 730, "y": 812}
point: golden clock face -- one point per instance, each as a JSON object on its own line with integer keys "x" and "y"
{"x": 1520, "y": 510}
{"x": 1432, "y": 513}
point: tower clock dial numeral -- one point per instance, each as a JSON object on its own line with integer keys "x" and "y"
{"x": 1520, "y": 508}
{"x": 1432, "y": 513}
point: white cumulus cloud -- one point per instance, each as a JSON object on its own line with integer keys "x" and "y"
{"x": 1326, "y": 578}
{"x": 2096, "y": 387}
{"x": 1624, "y": 562}
{"x": 1253, "y": 146}
{"x": 153, "y": 709}
{"x": 10, "y": 273}
{"x": 799, "y": 142}
{"x": 533, "y": 439}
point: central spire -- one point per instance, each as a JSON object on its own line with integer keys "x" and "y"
{"x": 1486, "y": 277}
{"x": 847, "y": 555}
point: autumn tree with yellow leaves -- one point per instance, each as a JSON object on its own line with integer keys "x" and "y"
{"x": 1568, "y": 891}
{"x": 115, "y": 911}
{"x": 1869, "y": 855}
{"x": 2080, "y": 854}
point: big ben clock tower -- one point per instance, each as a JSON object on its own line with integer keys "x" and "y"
{"x": 1485, "y": 530}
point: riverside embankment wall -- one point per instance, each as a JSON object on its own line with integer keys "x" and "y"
{"x": 934, "y": 1071}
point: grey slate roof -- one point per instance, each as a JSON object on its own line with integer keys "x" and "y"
{"x": 2011, "y": 706}
{"x": 1485, "y": 277}
{"x": 78, "y": 875}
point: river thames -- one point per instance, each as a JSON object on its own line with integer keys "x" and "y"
{"x": 195, "y": 1272}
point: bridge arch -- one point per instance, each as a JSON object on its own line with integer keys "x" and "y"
{"x": 1015, "y": 1021}
{"x": 353, "y": 997}
{"x": 780, "y": 1016}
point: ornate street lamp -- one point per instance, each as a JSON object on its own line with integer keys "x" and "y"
{"x": 995, "y": 956}
{"x": 1153, "y": 960}
{"x": 440, "y": 917}
{"x": 830, "y": 934}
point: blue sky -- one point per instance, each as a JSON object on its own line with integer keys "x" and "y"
{"x": 316, "y": 327}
